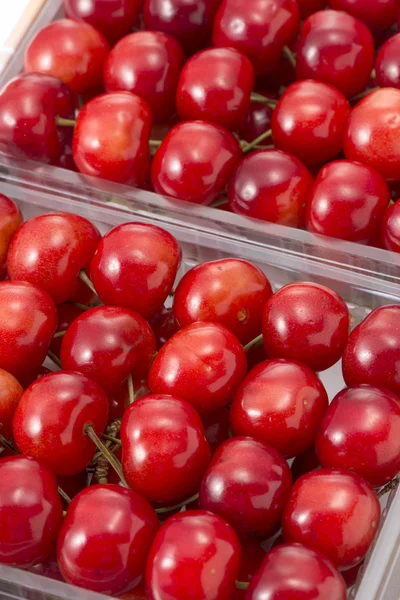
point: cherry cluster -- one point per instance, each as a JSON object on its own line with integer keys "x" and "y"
{"x": 186, "y": 415}
{"x": 283, "y": 110}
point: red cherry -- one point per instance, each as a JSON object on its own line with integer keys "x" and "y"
{"x": 10, "y": 394}
{"x": 256, "y": 121}
{"x": 31, "y": 511}
{"x": 203, "y": 363}
{"x": 110, "y": 526}
{"x": 28, "y": 107}
{"x": 50, "y": 420}
{"x": 72, "y": 51}
{"x": 310, "y": 121}
{"x": 206, "y": 293}
{"x": 307, "y": 322}
{"x": 195, "y": 555}
{"x": 49, "y": 250}
{"x": 197, "y": 171}
{"x": 290, "y": 569}
{"x": 270, "y": 185}
{"x": 336, "y": 48}
{"x": 164, "y": 325}
{"x": 348, "y": 202}
{"x": 281, "y": 403}
{"x": 28, "y": 319}
{"x": 252, "y": 556}
{"x": 304, "y": 463}
{"x": 67, "y": 313}
{"x": 387, "y": 64}
{"x": 259, "y": 29}
{"x": 10, "y": 221}
{"x": 241, "y": 472}
{"x": 216, "y": 428}
{"x": 111, "y": 138}
{"x": 308, "y": 7}
{"x": 135, "y": 266}
{"x": 333, "y": 511}
{"x": 390, "y": 231}
{"x": 148, "y": 64}
{"x": 377, "y": 15}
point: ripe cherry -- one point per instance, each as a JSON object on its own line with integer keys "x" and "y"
{"x": 148, "y": 64}
{"x": 67, "y": 313}
{"x": 216, "y": 428}
{"x": 51, "y": 417}
{"x": 206, "y": 293}
{"x": 335, "y": 512}
{"x": 135, "y": 266}
{"x": 256, "y": 121}
{"x": 164, "y": 325}
{"x": 387, "y": 64}
{"x": 197, "y": 171}
{"x": 195, "y": 555}
{"x": 281, "y": 402}
{"x": 241, "y": 472}
{"x": 10, "y": 221}
{"x": 377, "y": 15}
{"x": 336, "y": 48}
{"x": 307, "y": 322}
{"x": 10, "y": 394}
{"x": 390, "y": 230}
{"x": 204, "y": 363}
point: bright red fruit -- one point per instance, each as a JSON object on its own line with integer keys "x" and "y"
{"x": 216, "y": 428}
{"x": 67, "y": 313}
{"x": 135, "y": 266}
{"x": 195, "y": 171}
{"x": 50, "y": 420}
{"x": 10, "y": 394}
{"x": 195, "y": 555}
{"x": 110, "y": 526}
{"x": 378, "y": 15}
{"x": 307, "y": 322}
{"x": 204, "y": 363}
{"x": 50, "y": 250}
{"x": 28, "y": 319}
{"x": 148, "y": 64}
{"x": 10, "y": 220}
{"x": 336, "y": 48}
{"x": 293, "y": 568}
{"x": 390, "y": 230}
{"x": 387, "y": 63}
{"x": 241, "y": 472}
{"x": 334, "y": 511}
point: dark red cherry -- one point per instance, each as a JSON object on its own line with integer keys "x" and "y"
{"x": 281, "y": 403}
{"x": 307, "y": 322}
{"x": 135, "y": 266}
{"x": 111, "y": 138}
{"x": 50, "y": 420}
{"x": 195, "y": 555}
{"x": 348, "y": 202}
{"x": 304, "y": 463}
{"x": 67, "y": 313}
{"x": 195, "y": 171}
{"x": 10, "y": 221}
{"x": 50, "y": 250}
{"x": 204, "y": 363}
{"x": 291, "y": 569}
{"x": 308, "y": 7}
{"x": 336, "y": 48}
{"x": 256, "y": 121}
{"x": 387, "y": 63}
{"x": 165, "y": 452}
{"x": 148, "y": 64}
{"x": 216, "y": 428}
{"x": 206, "y": 293}
{"x": 252, "y": 556}
{"x": 309, "y": 121}
{"x": 390, "y": 230}
{"x": 28, "y": 319}
{"x": 164, "y": 325}
{"x": 378, "y": 15}
{"x": 10, "y": 394}
{"x": 335, "y": 512}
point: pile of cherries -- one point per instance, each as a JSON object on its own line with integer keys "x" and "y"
{"x": 283, "y": 110}
{"x": 170, "y": 429}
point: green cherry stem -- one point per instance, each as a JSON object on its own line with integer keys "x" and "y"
{"x": 87, "y": 280}
{"x": 131, "y": 390}
{"x": 114, "y": 462}
{"x": 289, "y": 55}
{"x": 59, "y": 334}
{"x": 64, "y": 496}
{"x": 166, "y": 509}
{"x": 256, "y": 342}
{"x": 65, "y": 122}
{"x": 242, "y": 585}
{"x": 54, "y": 358}
{"x": 255, "y": 97}
{"x": 255, "y": 142}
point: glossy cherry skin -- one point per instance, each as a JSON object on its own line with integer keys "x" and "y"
{"x": 135, "y": 266}
{"x": 10, "y": 394}
{"x": 281, "y": 403}
{"x": 110, "y": 526}
{"x": 195, "y": 555}
{"x": 50, "y": 420}
{"x": 348, "y": 202}
{"x": 206, "y": 293}
{"x": 31, "y": 512}
{"x": 259, "y": 29}
{"x": 67, "y": 313}
{"x": 148, "y": 64}
{"x": 387, "y": 63}
{"x": 336, "y": 48}
{"x": 307, "y": 322}
{"x": 335, "y": 512}
{"x": 309, "y": 121}
{"x": 270, "y": 185}
{"x": 204, "y": 363}
{"x": 10, "y": 221}
{"x": 215, "y": 85}
{"x": 216, "y": 428}
{"x": 378, "y": 15}
{"x": 28, "y": 320}
{"x": 197, "y": 171}
{"x": 72, "y": 51}
{"x": 308, "y": 7}
{"x": 390, "y": 230}
{"x": 241, "y": 472}
{"x": 293, "y": 569}
{"x": 361, "y": 432}
{"x": 164, "y": 325}
{"x": 28, "y": 107}
{"x": 113, "y": 18}
{"x": 165, "y": 452}
{"x": 256, "y": 121}
{"x": 49, "y": 251}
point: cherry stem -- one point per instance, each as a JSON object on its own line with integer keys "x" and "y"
{"x": 155, "y": 143}
{"x": 242, "y": 585}
{"x": 255, "y": 97}
{"x": 363, "y": 94}
{"x": 166, "y": 509}
{"x": 256, "y": 342}
{"x": 65, "y": 122}
{"x": 86, "y": 279}
{"x": 59, "y": 334}
{"x": 81, "y": 306}
{"x": 111, "y": 438}
{"x": 255, "y": 142}
{"x": 7, "y": 445}
{"x": 219, "y": 202}
{"x": 114, "y": 462}
{"x": 392, "y": 485}
{"x": 64, "y": 496}
{"x": 131, "y": 391}
{"x": 54, "y": 358}
{"x": 289, "y": 55}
